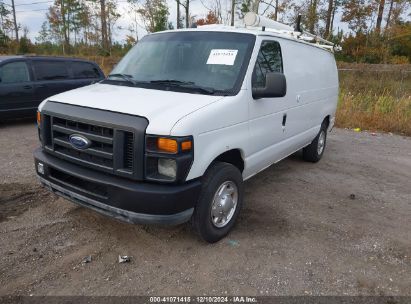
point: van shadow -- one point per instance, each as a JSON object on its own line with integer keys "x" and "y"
{"x": 90, "y": 220}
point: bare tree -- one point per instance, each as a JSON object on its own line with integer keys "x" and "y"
{"x": 111, "y": 17}
{"x": 103, "y": 20}
{"x": 379, "y": 16}
{"x": 232, "y": 12}
{"x": 312, "y": 17}
{"x": 389, "y": 14}
{"x": 186, "y": 6}
{"x": 178, "y": 14}
{"x": 326, "y": 14}
{"x": 134, "y": 14}
{"x": 15, "y": 20}
{"x": 329, "y": 17}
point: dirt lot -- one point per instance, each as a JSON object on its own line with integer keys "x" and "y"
{"x": 299, "y": 233}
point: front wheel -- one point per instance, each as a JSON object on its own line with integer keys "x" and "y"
{"x": 314, "y": 151}
{"x": 220, "y": 201}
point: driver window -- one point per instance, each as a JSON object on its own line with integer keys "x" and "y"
{"x": 268, "y": 60}
{"x": 14, "y": 72}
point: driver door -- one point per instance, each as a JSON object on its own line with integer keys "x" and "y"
{"x": 267, "y": 116}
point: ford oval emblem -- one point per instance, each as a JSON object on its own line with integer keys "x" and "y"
{"x": 79, "y": 141}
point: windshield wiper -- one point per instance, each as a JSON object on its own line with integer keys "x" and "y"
{"x": 171, "y": 81}
{"x": 184, "y": 84}
{"x": 125, "y": 77}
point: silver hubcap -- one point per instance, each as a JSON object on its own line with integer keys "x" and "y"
{"x": 321, "y": 143}
{"x": 224, "y": 204}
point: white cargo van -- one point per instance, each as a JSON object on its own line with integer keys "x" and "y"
{"x": 183, "y": 120}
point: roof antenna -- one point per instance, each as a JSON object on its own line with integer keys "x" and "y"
{"x": 263, "y": 28}
{"x": 297, "y": 27}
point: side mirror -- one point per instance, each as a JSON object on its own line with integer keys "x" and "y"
{"x": 275, "y": 86}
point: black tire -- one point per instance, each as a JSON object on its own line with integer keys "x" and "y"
{"x": 218, "y": 174}
{"x": 311, "y": 152}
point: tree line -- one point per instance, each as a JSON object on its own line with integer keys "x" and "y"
{"x": 372, "y": 31}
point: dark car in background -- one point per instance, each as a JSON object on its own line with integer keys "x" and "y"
{"x": 25, "y": 81}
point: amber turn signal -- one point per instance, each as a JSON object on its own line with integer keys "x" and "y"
{"x": 167, "y": 145}
{"x": 38, "y": 118}
{"x": 186, "y": 145}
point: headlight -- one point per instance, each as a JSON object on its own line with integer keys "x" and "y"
{"x": 168, "y": 159}
{"x": 167, "y": 167}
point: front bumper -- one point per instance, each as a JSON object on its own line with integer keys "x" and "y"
{"x": 126, "y": 200}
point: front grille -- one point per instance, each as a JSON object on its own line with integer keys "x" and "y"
{"x": 100, "y": 151}
{"x": 111, "y": 149}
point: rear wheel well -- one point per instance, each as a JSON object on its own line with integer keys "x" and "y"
{"x": 232, "y": 157}
{"x": 326, "y": 121}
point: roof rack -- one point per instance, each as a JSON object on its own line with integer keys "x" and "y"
{"x": 252, "y": 20}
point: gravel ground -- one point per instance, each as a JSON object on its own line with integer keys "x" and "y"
{"x": 339, "y": 227}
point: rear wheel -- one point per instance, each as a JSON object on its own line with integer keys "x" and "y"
{"x": 220, "y": 202}
{"x": 314, "y": 151}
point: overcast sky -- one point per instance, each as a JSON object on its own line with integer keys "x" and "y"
{"x": 34, "y": 15}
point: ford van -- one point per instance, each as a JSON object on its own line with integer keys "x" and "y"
{"x": 183, "y": 120}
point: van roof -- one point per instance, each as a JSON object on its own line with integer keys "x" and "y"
{"x": 247, "y": 30}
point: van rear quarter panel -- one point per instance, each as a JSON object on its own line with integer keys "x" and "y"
{"x": 312, "y": 80}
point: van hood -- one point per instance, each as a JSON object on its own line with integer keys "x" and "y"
{"x": 163, "y": 109}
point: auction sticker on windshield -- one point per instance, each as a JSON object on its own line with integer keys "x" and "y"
{"x": 222, "y": 56}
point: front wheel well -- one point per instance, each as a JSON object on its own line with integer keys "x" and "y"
{"x": 326, "y": 121}
{"x": 232, "y": 157}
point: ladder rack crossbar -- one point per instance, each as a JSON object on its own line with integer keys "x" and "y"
{"x": 254, "y": 21}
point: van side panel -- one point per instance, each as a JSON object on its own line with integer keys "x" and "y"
{"x": 311, "y": 74}
{"x": 312, "y": 90}
{"x": 313, "y": 79}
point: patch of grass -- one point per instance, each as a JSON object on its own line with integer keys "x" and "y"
{"x": 375, "y": 99}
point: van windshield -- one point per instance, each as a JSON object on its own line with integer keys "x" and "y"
{"x": 194, "y": 62}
